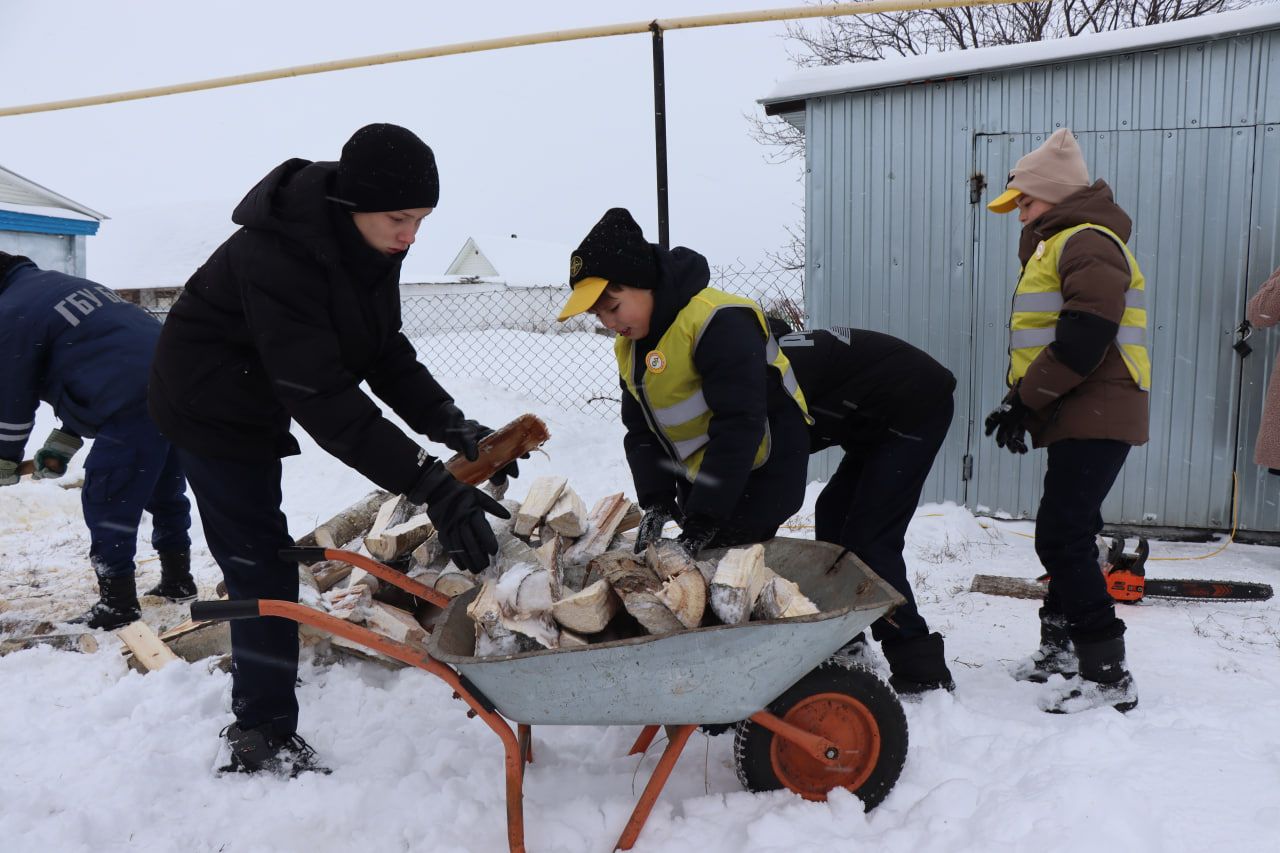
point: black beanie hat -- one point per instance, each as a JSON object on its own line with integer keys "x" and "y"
{"x": 615, "y": 250}
{"x": 386, "y": 167}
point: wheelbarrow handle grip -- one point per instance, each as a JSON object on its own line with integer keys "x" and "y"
{"x": 302, "y": 554}
{"x": 220, "y": 611}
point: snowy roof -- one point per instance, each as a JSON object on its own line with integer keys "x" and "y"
{"x": 898, "y": 71}
{"x": 26, "y": 196}
{"x": 515, "y": 260}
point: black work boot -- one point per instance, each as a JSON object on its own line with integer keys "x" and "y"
{"x": 917, "y": 664}
{"x": 176, "y": 583}
{"x": 1103, "y": 681}
{"x": 1056, "y": 655}
{"x": 117, "y": 605}
{"x": 262, "y": 750}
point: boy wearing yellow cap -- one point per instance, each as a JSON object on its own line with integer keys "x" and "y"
{"x": 716, "y": 426}
{"x": 1079, "y": 375}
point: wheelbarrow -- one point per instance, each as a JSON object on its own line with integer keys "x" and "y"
{"x": 804, "y": 720}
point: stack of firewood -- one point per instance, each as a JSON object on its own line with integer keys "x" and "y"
{"x": 585, "y": 584}
{"x": 562, "y": 577}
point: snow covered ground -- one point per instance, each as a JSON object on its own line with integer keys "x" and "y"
{"x": 95, "y": 757}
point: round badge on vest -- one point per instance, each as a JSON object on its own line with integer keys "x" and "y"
{"x": 655, "y": 361}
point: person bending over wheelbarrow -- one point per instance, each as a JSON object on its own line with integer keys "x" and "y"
{"x": 283, "y": 322}
{"x": 716, "y": 425}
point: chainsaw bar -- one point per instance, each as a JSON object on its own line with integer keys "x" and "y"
{"x": 1200, "y": 589}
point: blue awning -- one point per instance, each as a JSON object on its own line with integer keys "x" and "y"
{"x": 11, "y": 220}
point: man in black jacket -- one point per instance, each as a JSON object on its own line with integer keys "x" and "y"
{"x": 283, "y": 322}
{"x": 888, "y": 406}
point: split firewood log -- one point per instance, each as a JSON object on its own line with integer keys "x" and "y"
{"x": 568, "y": 516}
{"x": 782, "y": 599}
{"x": 499, "y": 449}
{"x": 524, "y": 598}
{"x": 589, "y": 611}
{"x": 398, "y": 540}
{"x": 394, "y": 624}
{"x": 736, "y": 585}
{"x": 431, "y": 554}
{"x": 347, "y": 525}
{"x": 328, "y": 573}
{"x": 347, "y": 602}
{"x": 684, "y": 589}
{"x": 543, "y": 493}
{"x": 667, "y": 558}
{"x": 685, "y": 595}
{"x": 602, "y": 523}
{"x": 396, "y": 529}
{"x": 631, "y": 519}
{"x": 453, "y": 581}
{"x": 515, "y": 551}
{"x": 493, "y": 637}
{"x": 570, "y": 640}
{"x": 549, "y": 555}
{"x": 638, "y": 587}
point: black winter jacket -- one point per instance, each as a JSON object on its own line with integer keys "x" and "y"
{"x": 743, "y": 392}
{"x": 861, "y": 386}
{"x": 72, "y": 343}
{"x": 283, "y": 322}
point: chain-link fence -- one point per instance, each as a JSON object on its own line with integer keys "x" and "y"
{"x": 509, "y": 337}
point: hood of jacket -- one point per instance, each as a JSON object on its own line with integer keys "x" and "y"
{"x": 682, "y": 273}
{"x": 294, "y": 201}
{"x": 1095, "y": 205}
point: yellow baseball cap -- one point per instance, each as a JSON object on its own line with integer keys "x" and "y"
{"x": 1004, "y": 202}
{"x": 585, "y": 293}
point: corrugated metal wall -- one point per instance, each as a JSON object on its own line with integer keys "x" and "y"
{"x": 61, "y": 252}
{"x": 1185, "y": 137}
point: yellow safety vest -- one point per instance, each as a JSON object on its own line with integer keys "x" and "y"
{"x": 671, "y": 391}
{"x": 1038, "y": 301}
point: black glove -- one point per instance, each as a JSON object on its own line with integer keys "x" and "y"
{"x": 457, "y": 510}
{"x": 650, "y": 529}
{"x": 696, "y": 532}
{"x": 456, "y": 431}
{"x": 512, "y": 470}
{"x": 1008, "y": 422}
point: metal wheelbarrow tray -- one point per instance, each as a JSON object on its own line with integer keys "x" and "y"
{"x": 804, "y": 722}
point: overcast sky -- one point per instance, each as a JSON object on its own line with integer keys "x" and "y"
{"x": 537, "y": 141}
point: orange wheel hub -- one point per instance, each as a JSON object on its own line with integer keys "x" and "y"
{"x": 844, "y": 721}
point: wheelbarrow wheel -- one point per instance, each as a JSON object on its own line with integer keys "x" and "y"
{"x": 845, "y": 703}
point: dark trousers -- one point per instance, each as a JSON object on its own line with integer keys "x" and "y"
{"x": 132, "y": 468}
{"x": 869, "y": 502}
{"x": 240, "y": 510}
{"x": 1079, "y": 474}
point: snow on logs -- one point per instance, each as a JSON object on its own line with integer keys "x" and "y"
{"x": 563, "y": 577}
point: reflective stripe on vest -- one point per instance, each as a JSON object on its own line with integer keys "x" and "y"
{"x": 1037, "y": 302}
{"x": 672, "y": 397}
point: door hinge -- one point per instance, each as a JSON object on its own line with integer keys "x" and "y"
{"x": 977, "y": 183}
{"x": 966, "y": 470}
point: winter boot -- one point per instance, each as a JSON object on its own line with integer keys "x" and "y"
{"x": 917, "y": 664}
{"x": 176, "y": 583}
{"x": 858, "y": 651}
{"x": 1103, "y": 681}
{"x": 261, "y": 749}
{"x": 117, "y": 605}
{"x": 1056, "y": 655}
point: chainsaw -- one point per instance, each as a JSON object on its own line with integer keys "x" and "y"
{"x": 1127, "y": 581}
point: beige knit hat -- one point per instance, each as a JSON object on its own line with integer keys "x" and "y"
{"x": 1052, "y": 172}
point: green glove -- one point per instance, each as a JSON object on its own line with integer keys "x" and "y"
{"x": 52, "y": 459}
{"x": 8, "y": 472}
